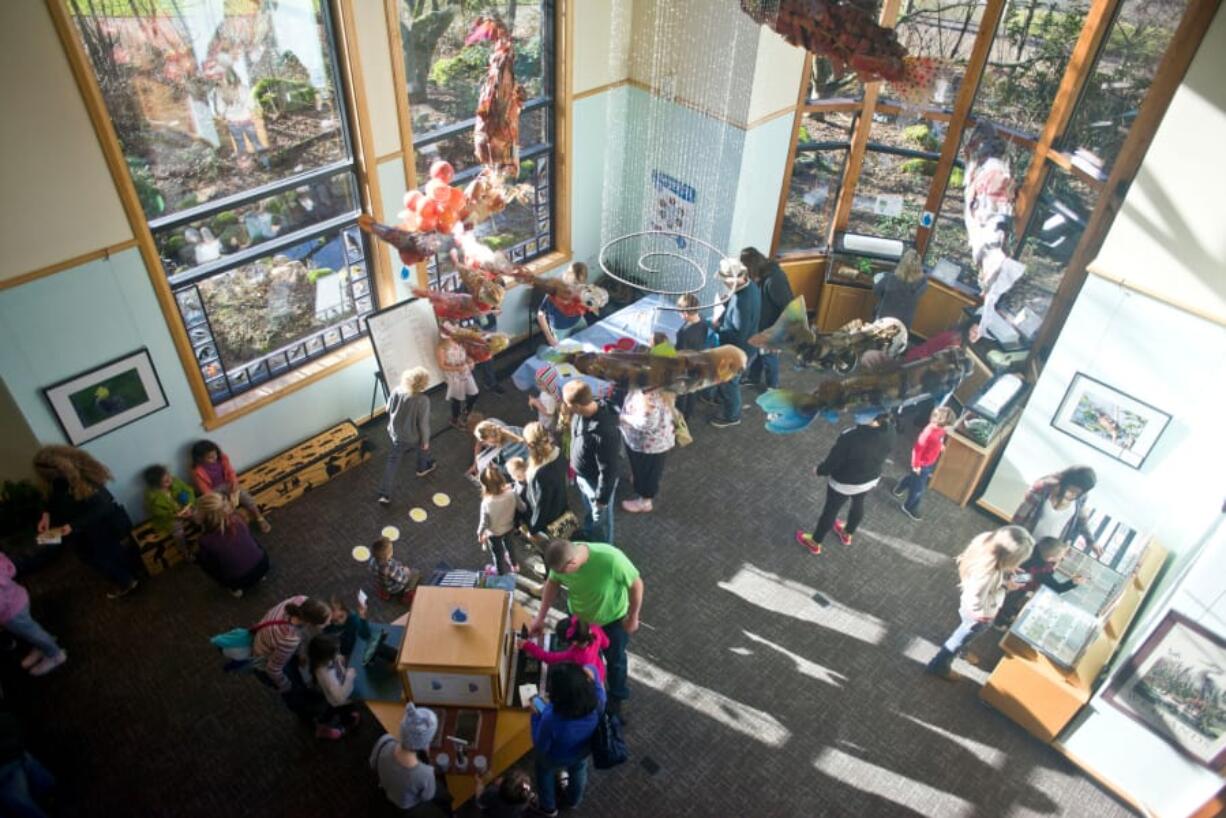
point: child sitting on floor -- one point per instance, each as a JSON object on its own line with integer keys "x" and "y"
{"x": 334, "y": 680}
{"x": 509, "y": 796}
{"x": 211, "y": 471}
{"x": 1038, "y": 570}
{"x": 168, "y": 502}
{"x": 498, "y": 506}
{"x": 393, "y": 579}
{"x": 585, "y": 644}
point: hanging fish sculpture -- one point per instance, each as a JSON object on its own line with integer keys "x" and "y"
{"x": 788, "y": 411}
{"x": 683, "y": 373}
{"x": 484, "y": 289}
{"x": 489, "y": 194}
{"x": 570, "y": 299}
{"x": 413, "y": 247}
{"x": 496, "y": 134}
{"x": 790, "y": 332}
{"x": 839, "y": 350}
{"x": 450, "y": 306}
{"x": 480, "y": 346}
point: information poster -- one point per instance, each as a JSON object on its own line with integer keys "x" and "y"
{"x": 672, "y": 205}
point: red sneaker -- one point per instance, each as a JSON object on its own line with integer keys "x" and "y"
{"x": 806, "y": 539}
{"x": 841, "y": 533}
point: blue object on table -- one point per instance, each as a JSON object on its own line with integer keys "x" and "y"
{"x": 377, "y": 681}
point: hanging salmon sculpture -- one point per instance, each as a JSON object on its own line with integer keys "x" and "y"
{"x": 496, "y": 136}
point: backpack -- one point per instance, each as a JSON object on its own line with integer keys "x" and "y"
{"x": 235, "y": 645}
{"x": 608, "y": 743}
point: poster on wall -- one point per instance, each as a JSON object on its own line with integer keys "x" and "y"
{"x": 1175, "y": 685}
{"x": 119, "y": 392}
{"x": 1110, "y": 421}
{"x": 672, "y": 205}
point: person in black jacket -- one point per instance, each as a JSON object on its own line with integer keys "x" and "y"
{"x": 736, "y": 325}
{"x": 691, "y": 336}
{"x": 595, "y": 449}
{"x": 776, "y": 295}
{"x": 545, "y": 492}
{"x": 852, "y": 468}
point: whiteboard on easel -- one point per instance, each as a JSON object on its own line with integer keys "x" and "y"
{"x": 405, "y": 335}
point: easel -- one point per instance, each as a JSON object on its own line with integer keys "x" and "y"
{"x": 374, "y": 394}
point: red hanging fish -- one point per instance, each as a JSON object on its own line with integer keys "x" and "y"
{"x": 496, "y": 134}
{"x": 570, "y": 299}
{"x": 413, "y": 247}
{"x": 453, "y": 306}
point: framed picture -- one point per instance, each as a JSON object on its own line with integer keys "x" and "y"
{"x": 1110, "y": 421}
{"x": 115, "y": 394}
{"x": 1176, "y": 686}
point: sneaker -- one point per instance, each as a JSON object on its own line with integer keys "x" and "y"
{"x": 457, "y": 423}
{"x": 806, "y": 539}
{"x": 384, "y": 500}
{"x": 330, "y": 733}
{"x": 914, "y": 515}
{"x": 899, "y": 489}
{"x": 264, "y": 525}
{"x": 122, "y": 592}
{"x": 32, "y": 658}
{"x": 723, "y": 423}
{"x": 636, "y": 505}
{"x": 427, "y": 470}
{"x": 947, "y": 675}
{"x": 841, "y": 533}
{"x": 49, "y": 663}
{"x": 237, "y": 593}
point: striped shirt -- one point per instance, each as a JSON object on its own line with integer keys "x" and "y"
{"x": 393, "y": 576}
{"x": 278, "y": 643}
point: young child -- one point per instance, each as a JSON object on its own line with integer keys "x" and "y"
{"x": 211, "y": 471}
{"x": 334, "y": 680}
{"x": 586, "y": 643}
{"x": 348, "y": 627}
{"x": 556, "y": 324}
{"x": 984, "y": 569}
{"x": 544, "y": 399}
{"x": 458, "y": 374}
{"x": 498, "y": 507}
{"x": 691, "y": 336}
{"x": 168, "y": 502}
{"x": 393, "y": 579}
{"x": 509, "y": 796}
{"x": 517, "y": 469}
{"x": 924, "y": 457}
{"x": 1037, "y": 571}
{"x": 408, "y": 425}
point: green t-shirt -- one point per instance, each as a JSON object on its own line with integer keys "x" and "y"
{"x": 599, "y": 592}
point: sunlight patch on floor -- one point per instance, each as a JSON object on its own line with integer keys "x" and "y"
{"x": 795, "y": 599}
{"x": 891, "y": 786}
{"x": 756, "y": 724}
{"x": 908, "y": 550}
{"x": 922, "y": 651}
{"x": 983, "y": 752}
{"x": 804, "y": 666}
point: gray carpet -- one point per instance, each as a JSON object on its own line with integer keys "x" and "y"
{"x": 766, "y": 681}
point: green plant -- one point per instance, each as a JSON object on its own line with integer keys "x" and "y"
{"x": 921, "y": 136}
{"x": 499, "y": 241}
{"x": 277, "y": 96}
{"x": 318, "y": 273}
{"x": 467, "y": 67}
{"x": 919, "y": 167}
{"x": 864, "y": 266}
{"x": 804, "y": 136}
{"x": 151, "y": 200}
{"x": 957, "y": 177}
{"x": 527, "y": 169}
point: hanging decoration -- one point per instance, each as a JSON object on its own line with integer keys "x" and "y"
{"x": 570, "y": 299}
{"x": 479, "y": 345}
{"x": 840, "y": 350}
{"x": 681, "y": 372}
{"x": 988, "y": 208}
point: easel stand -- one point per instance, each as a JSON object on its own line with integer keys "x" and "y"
{"x": 374, "y": 394}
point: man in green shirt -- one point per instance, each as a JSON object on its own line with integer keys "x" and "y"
{"x": 604, "y": 588}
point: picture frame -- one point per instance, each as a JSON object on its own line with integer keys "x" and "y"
{"x": 1174, "y": 686}
{"x": 108, "y": 397}
{"x": 1109, "y": 420}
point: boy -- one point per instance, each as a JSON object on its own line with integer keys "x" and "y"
{"x": 692, "y": 336}
{"x": 924, "y": 457}
{"x": 393, "y": 579}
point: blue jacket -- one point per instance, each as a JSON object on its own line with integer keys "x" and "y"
{"x": 566, "y": 740}
{"x": 741, "y": 318}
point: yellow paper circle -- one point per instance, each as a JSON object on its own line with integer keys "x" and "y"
{"x": 417, "y": 515}
{"x": 361, "y": 553}
{"x": 391, "y": 532}
{"x": 442, "y": 500}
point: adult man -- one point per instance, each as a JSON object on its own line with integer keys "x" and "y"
{"x": 776, "y": 295}
{"x": 604, "y": 588}
{"x": 736, "y": 325}
{"x": 595, "y": 448}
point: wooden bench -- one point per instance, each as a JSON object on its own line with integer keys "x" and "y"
{"x": 274, "y": 483}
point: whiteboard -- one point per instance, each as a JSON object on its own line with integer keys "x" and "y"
{"x": 405, "y": 335}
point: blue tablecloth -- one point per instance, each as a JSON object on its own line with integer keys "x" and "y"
{"x": 639, "y": 321}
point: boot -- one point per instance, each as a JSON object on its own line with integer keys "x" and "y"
{"x": 940, "y": 666}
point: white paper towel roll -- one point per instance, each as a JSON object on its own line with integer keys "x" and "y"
{"x": 855, "y": 243}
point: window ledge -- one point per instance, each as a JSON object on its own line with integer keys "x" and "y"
{"x": 289, "y": 383}
{"x": 552, "y": 259}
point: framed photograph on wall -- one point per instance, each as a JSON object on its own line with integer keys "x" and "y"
{"x": 107, "y": 397}
{"x": 1176, "y": 686}
{"x": 1112, "y": 422}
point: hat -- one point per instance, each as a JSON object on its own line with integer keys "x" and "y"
{"x": 417, "y": 728}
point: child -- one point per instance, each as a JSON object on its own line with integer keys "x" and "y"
{"x": 586, "y": 644}
{"x": 335, "y": 681}
{"x": 984, "y": 569}
{"x": 691, "y": 336}
{"x": 924, "y": 457}
{"x": 168, "y": 502}
{"x": 458, "y": 374}
{"x": 544, "y": 398}
{"x": 1038, "y": 570}
{"x": 507, "y": 797}
{"x": 15, "y": 618}
{"x": 517, "y": 469}
{"x": 393, "y": 579}
{"x": 498, "y": 507}
{"x": 211, "y": 471}
{"x": 557, "y": 325}
{"x": 495, "y": 442}
{"x": 408, "y": 425}
{"x": 348, "y": 627}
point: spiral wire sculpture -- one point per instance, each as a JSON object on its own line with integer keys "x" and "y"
{"x": 666, "y": 269}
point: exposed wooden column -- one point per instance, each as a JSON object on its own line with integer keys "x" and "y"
{"x": 787, "y": 173}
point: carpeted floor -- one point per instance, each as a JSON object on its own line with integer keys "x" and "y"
{"x": 766, "y": 681}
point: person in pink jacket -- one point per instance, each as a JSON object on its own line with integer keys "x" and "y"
{"x": 586, "y": 643}
{"x": 15, "y": 618}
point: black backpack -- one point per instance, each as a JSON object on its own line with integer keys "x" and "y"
{"x": 608, "y": 743}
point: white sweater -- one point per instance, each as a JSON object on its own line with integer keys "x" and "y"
{"x": 498, "y": 512}
{"x": 329, "y": 680}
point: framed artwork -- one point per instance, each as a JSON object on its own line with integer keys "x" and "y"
{"x": 107, "y": 397}
{"x": 1112, "y": 422}
{"x": 1176, "y": 686}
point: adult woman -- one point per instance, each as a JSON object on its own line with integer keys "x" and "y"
{"x": 83, "y": 510}
{"x": 983, "y": 572}
{"x": 562, "y": 731}
{"x": 899, "y": 292}
{"x": 228, "y": 552}
{"x": 546, "y": 482}
{"x": 647, "y": 427}
{"x": 495, "y": 442}
{"x": 280, "y": 634}
{"x": 1055, "y": 507}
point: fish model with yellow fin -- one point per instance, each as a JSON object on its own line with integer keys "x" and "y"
{"x": 480, "y": 346}
{"x": 453, "y": 306}
{"x": 682, "y": 373}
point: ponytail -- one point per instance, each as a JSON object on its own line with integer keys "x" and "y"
{"x": 310, "y": 610}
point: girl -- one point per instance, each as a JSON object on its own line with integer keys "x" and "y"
{"x": 586, "y": 644}
{"x": 555, "y": 324}
{"x": 984, "y": 569}
{"x": 228, "y": 552}
{"x": 408, "y": 425}
{"x": 86, "y": 513}
{"x": 924, "y": 457}
{"x": 547, "y": 396}
{"x": 348, "y": 626}
{"x": 1038, "y": 570}
{"x": 507, "y": 797}
{"x": 495, "y": 442}
{"x": 279, "y": 635}
{"x": 335, "y": 681}
{"x": 562, "y": 731}
{"x": 458, "y": 374}
{"x": 899, "y": 292}
{"x": 211, "y": 471}
{"x": 498, "y": 507}
{"x": 648, "y": 429}
{"x": 15, "y": 618}
{"x": 168, "y": 502}
{"x": 546, "y": 479}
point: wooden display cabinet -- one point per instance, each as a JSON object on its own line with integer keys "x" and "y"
{"x": 940, "y": 308}
{"x": 964, "y": 463}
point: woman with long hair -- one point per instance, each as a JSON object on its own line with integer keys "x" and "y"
{"x": 280, "y": 635}
{"x": 984, "y": 569}
{"x": 898, "y": 292}
{"x": 228, "y": 552}
{"x": 81, "y": 510}
{"x": 495, "y": 442}
{"x": 546, "y": 480}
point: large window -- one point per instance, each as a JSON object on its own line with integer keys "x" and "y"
{"x": 443, "y": 77}
{"x": 821, "y": 151}
{"x": 230, "y": 117}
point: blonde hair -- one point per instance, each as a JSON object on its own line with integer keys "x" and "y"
{"x": 539, "y": 442}
{"x": 943, "y": 416}
{"x": 492, "y": 481}
{"x": 415, "y": 380}
{"x": 576, "y": 273}
{"x": 909, "y": 269}
{"x": 212, "y": 514}
{"x": 517, "y": 464}
{"x": 84, "y": 474}
{"x": 995, "y": 553}
{"x": 500, "y": 432}
{"x": 577, "y": 393}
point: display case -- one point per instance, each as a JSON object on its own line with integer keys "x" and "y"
{"x": 847, "y": 289}
{"x": 975, "y": 441}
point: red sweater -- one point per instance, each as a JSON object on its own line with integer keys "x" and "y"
{"x": 927, "y": 449}
{"x": 579, "y": 654}
{"x": 204, "y": 485}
